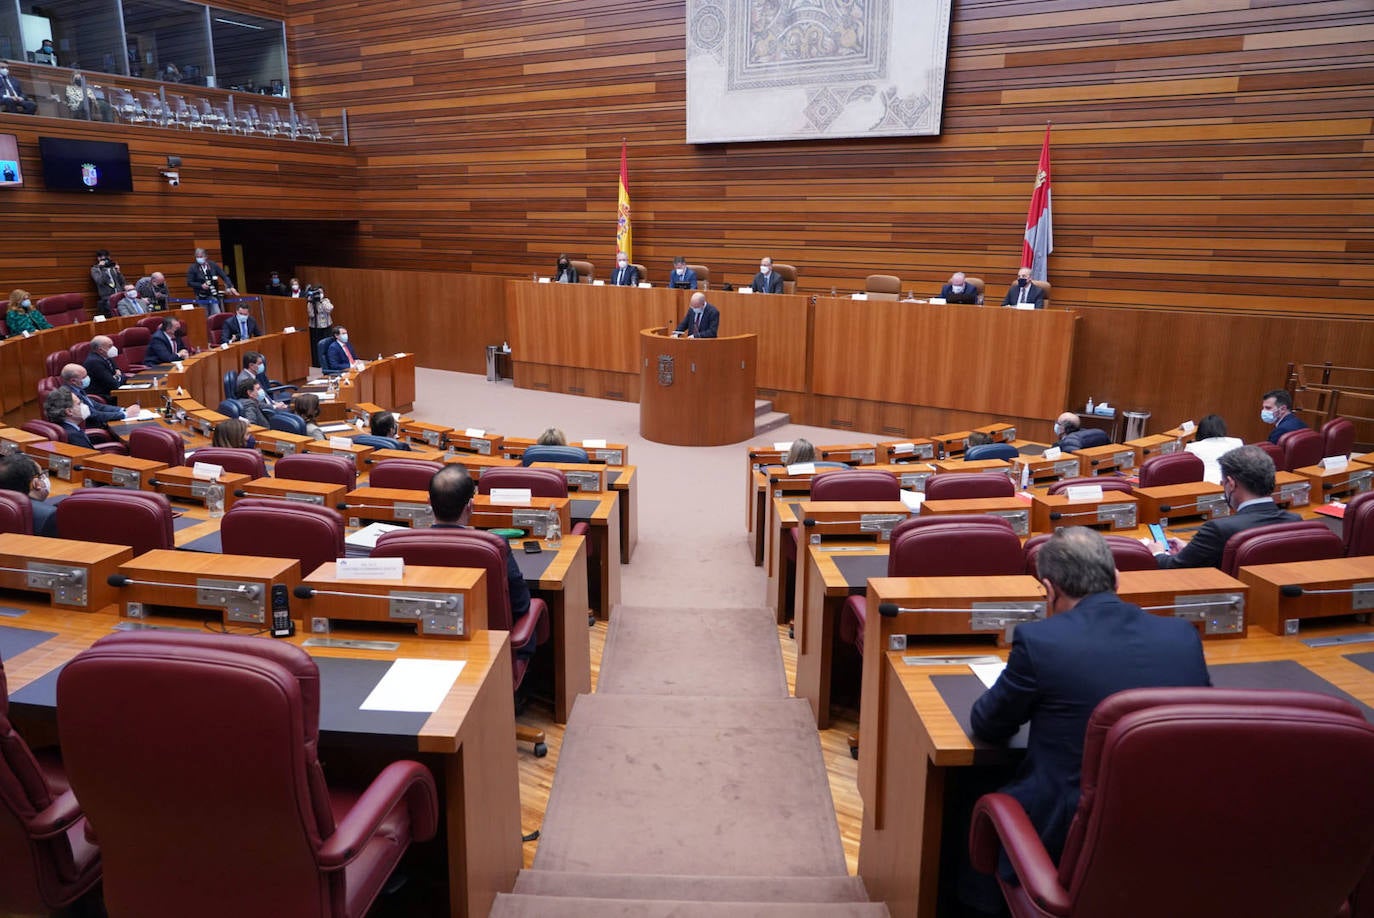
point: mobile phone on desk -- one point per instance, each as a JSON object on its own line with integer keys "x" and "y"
{"x": 1157, "y": 533}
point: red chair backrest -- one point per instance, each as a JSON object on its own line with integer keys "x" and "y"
{"x": 1301, "y": 448}
{"x": 152, "y": 323}
{"x": 967, "y": 486}
{"x": 140, "y": 519}
{"x": 215, "y": 325}
{"x": 158, "y": 444}
{"x": 80, "y": 351}
{"x": 407, "y": 474}
{"x": 239, "y": 461}
{"x": 1173, "y": 469}
{"x": 283, "y": 529}
{"x": 1358, "y": 525}
{"x": 1127, "y": 553}
{"x": 63, "y": 308}
{"x": 338, "y": 470}
{"x": 856, "y": 484}
{"x": 1273, "y": 450}
{"x": 457, "y": 548}
{"x": 541, "y": 482}
{"x": 46, "y": 429}
{"x": 958, "y": 546}
{"x": 1107, "y": 482}
{"x": 16, "y": 513}
{"x": 1338, "y": 437}
{"x": 1131, "y": 830}
{"x": 1281, "y": 542}
{"x": 55, "y": 361}
{"x": 133, "y": 344}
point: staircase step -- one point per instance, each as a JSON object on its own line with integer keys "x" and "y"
{"x": 533, "y": 882}
{"x": 511, "y": 905}
{"x": 762, "y": 406}
{"x": 771, "y": 421}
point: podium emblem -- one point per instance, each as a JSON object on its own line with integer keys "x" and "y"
{"x": 665, "y": 370}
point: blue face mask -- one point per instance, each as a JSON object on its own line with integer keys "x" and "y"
{"x": 1058, "y": 430}
{"x": 1267, "y": 415}
{"x": 86, "y": 382}
{"x": 26, "y": 303}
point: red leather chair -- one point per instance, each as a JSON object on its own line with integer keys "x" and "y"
{"x": 1358, "y": 525}
{"x": 1338, "y": 437}
{"x": 1282, "y": 542}
{"x": 487, "y": 551}
{"x": 239, "y": 461}
{"x": 1274, "y": 452}
{"x": 159, "y": 444}
{"x": 16, "y": 513}
{"x": 99, "y": 438}
{"x": 80, "y": 351}
{"x": 283, "y": 529}
{"x": 140, "y": 519}
{"x": 856, "y": 484}
{"x": 407, "y": 474}
{"x": 55, "y": 361}
{"x": 1107, "y": 482}
{"x": 541, "y": 482}
{"x": 317, "y": 467}
{"x": 46, "y": 385}
{"x": 1173, "y": 469}
{"x": 1128, "y": 553}
{"x": 1301, "y": 448}
{"x": 63, "y": 308}
{"x": 46, "y": 861}
{"x": 967, "y": 486}
{"x": 133, "y": 345}
{"x": 1302, "y": 853}
{"x": 152, "y": 323}
{"x": 298, "y": 846}
{"x": 215, "y": 325}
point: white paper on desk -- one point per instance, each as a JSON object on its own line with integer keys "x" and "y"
{"x": 337, "y": 428}
{"x": 140, "y": 385}
{"x": 97, "y": 318}
{"x": 593, "y": 444}
{"x": 987, "y": 673}
{"x": 367, "y": 536}
{"x": 417, "y": 686}
{"x": 145, "y": 415}
{"x": 859, "y": 296}
{"x": 1187, "y": 427}
{"x": 912, "y": 499}
{"x": 186, "y": 307}
{"x": 1025, "y": 306}
{"x": 802, "y": 468}
{"x": 290, "y": 329}
{"x": 400, "y": 354}
{"x": 513, "y": 496}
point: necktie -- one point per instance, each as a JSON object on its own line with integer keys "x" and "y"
{"x": 1022, "y": 297}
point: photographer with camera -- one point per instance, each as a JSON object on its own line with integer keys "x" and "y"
{"x": 321, "y": 316}
{"x": 209, "y": 283}
{"x": 108, "y": 280}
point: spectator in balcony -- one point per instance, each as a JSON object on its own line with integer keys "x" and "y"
{"x": 12, "y": 96}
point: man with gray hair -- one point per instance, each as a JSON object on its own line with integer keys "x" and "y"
{"x": 1247, "y": 480}
{"x": 1092, "y": 645}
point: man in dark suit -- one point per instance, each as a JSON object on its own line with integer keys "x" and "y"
{"x": 163, "y": 346}
{"x": 1247, "y": 479}
{"x": 1277, "y": 409}
{"x": 702, "y": 319}
{"x": 12, "y": 95}
{"x": 338, "y": 356}
{"x": 1092, "y": 645}
{"x": 958, "y": 290}
{"x": 1073, "y": 436}
{"x": 766, "y": 281}
{"x": 78, "y": 380}
{"x": 20, "y": 474}
{"x": 103, "y": 372}
{"x": 625, "y": 274}
{"x": 255, "y": 370}
{"x": 62, "y": 408}
{"x": 682, "y": 277}
{"x": 249, "y": 392}
{"x": 240, "y": 326}
{"x": 1023, "y": 291}
{"x": 206, "y": 279}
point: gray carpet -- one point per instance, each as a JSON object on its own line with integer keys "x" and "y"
{"x": 702, "y": 889}
{"x": 699, "y": 652}
{"x": 691, "y": 786}
{"x": 517, "y": 906}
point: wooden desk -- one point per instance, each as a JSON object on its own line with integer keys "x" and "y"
{"x": 698, "y": 391}
{"x": 467, "y": 743}
{"x": 561, "y": 581}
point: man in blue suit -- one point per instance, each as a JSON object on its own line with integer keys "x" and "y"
{"x": 240, "y": 326}
{"x": 338, "y": 356}
{"x": 625, "y": 274}
{"x": 682, "y": 277}
{"x": 20, "y": 474}
{"x": 61, "y": 408}
{"x": 1092, "y": 645}
{"x": 1277, "y": 409}
{"x": 766, "y": 281}
{"x": 162, "y": 346}
{"x": 77, "y": 379}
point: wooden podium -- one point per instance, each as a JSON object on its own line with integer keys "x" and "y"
{"x": 696, "y": 391}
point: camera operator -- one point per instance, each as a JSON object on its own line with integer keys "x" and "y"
{"x": 321, "y": 312}
{"x": 108, "y": 280}
{"x": 209, "y": 283}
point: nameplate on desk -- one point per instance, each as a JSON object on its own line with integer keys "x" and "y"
{"x": 370, "y": 568}
{"x": 937, "y": 301}
{"x": 97, "y": 318}
{"x": 598, "y": 283}
{"x": 288, "y": 329}
{"x": 1025, "y": 306}
{"x": 207, "y": 470}
{"x": 399, "y": 354}
{"x": 952, "y": 660}
{"x": 1052, "y": 453}
{"x": 340, "y": 443}
{"x": 543, "y": 280}
{"x": 474, "y": 432}
{"x": 898, "y": 449}
{"x": 27, "y": 333}
{"x": 802, "y": 468}
{"x": 859, "y": 296}
{"x": 745, "y": 290}
{"x": 590, "y": 444}
{"x": 1187, "y": 427}
{"x": 512, "y": 496}
{"x": 783, "y": 447}
{"x": 143, "y": 385}
{"x": 1335, "y": 463}
{"x": 645, "y": 285}
{"x": 1083, "y": 492}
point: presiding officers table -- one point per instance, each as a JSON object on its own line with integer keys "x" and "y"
{"x": 696, "y": 391}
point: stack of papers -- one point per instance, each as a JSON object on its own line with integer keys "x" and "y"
{"x": 367, "y": 536}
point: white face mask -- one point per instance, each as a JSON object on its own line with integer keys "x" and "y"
{"x": 1058, "y": 429}
{"x": 622, "y": 262}
{"x": 113, "y": 352}
{"x": 84, "y": 410}
{"x": 765, "y": 269}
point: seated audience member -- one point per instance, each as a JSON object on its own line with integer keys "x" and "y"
{"x": 63, "y": 409}
{"x": 108, "y": 280}
{"x": 1069, "y": 428}
{"x": 1276, "y": 409}
{"x": 45, "y": 53}
{"x": 102, "y": 371}
{"x": 153, "y": 289}
{"x": 625, "y": 274}
{"x": 232, "y": 433}
{"x": 306, "y": 406}
{"x": 76, "y": 378}
{"x": 552, "y": 436}
{"x": 1023, "y": 291}
{"x": 296, "y": 292}
{"x": 241, "y": 326}
{"x": 249, "y": 399}
{"x": 164, "y": 346}
{"x": 801, "y": 450}
{"x": 1092, "y": 645}
{"x": 565, "y": 273}
{"x": 20, "y": 474}
{"x": 702, "y": 319}
{"x": 1247, "y": 479}
{"x": 131, "y": 304}
{"x": 275, "y": 287}
{"x": 958, "y": 290}
{"x": 1210, "y": 444}
{"x": 766, "y": 281}
{"x": 12, "y": 97}
{"x": 23, "y": 315}
{"x": 682, "y": 277}
{"x": 338, "y": 356}
{"x": 383, "y": 424}
{"x": 255, "y": 367}
{"x": 450, "y": 493}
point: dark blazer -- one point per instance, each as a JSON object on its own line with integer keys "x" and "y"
{"x": 252, "y": 412}
{"x": 625, "y": 277}
{"x": 232, "y": 330}
{"x": 969, "y": 294}
{"x": 199, "y": 277}
{"x": 566, "y": 275}
{"x": 100, "y": 414}
{"x": 44, "y": 518}
{"x": 767, "y": 283}
{"x": 1287, "y": 424}
{"x": 1082, "y": 438}
{"x": 160, "y": 349}
{"x": 688, "y": 281}
{"x": 105, "y": 375}
{"x": 9, "y": 86}
{"x": 336, "y": 358}
{"x": 1058, "y": 671}
{"x": 76, "y": 436}
{"x": 515, "y": 581}
{"x": 710, "y": 322}
{"x": 1210, "y": 540}
{"x": 1033, "y": 295}
{"x": 278, "y": 290}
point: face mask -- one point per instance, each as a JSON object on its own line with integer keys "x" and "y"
{"x": 563, "y": 265}
{"x": 200, "y": 259}
{"x": 1058, "y": 430}
{"x": 275, "y": 279}
{"x": 1022, "y": 281}
{"x": 26, "y": 303}
{"x": 40, "y": 487}
{"x": 84, "y": 410}
{"x": 344, "y": 337}
{"x": 764, "y": 269}
{"x": 295, "y": 286}
{"x": 1267, "y": 415}
{"x": 112, "y": 352}
{"x": 86, "y": 382}
{"x": 622, "y": 262}
{"x": 4, "y": 71}
{"x": 262, "y": 368}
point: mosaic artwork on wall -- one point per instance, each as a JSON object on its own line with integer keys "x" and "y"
{"x": 812, "y": 69}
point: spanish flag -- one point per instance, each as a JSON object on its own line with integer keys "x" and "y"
{"x": 624, "y": 240}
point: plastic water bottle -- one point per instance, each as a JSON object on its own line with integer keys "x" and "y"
{"x": 1090, "y": 404}
{"x": 214, "y": 500}
{"x": 554, "y": 534}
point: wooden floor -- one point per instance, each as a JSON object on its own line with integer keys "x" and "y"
{"x": 536, "y": 775}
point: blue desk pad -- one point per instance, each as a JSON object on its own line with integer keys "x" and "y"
{"x": 582, "y": 509}
{"x": 14, "y": 641}
{"x": 1362, "y": 659}
{"x": 532, "y": 567}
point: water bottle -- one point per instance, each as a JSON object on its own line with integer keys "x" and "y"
{"x": 1090, "y": 404}
{"x": 554, "y": 534}
{"x": 214, "y": 500}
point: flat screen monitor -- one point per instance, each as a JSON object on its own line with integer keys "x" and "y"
{"x": 10, "y": 173}
{"x": 85, "y": 165}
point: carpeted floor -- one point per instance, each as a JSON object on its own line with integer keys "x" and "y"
{"x": 649, "y": 651}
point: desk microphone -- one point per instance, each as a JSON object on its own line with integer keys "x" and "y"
{"x": 251, "y": 590}
{"x": 888, "y": 609}
{"x": 303, "y": 592}
{"x": 444, "y": 602}
{"x": 1056, "y": 515}
{"x": 1293, "y": 590}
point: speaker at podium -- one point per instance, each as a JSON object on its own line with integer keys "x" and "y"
{"x": 696, "y": 391}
